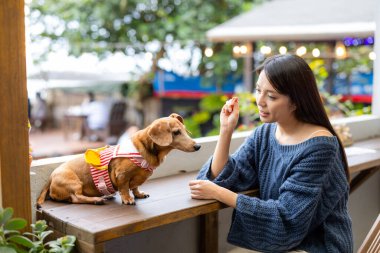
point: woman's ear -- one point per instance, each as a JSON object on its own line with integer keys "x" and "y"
{"x": 293, "y": 107}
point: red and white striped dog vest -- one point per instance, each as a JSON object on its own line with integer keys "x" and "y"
{"x": 99, "y": 172}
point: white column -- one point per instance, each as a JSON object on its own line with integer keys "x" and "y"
{"x": 376, "y": 67}
{"x": 247, "y": 76}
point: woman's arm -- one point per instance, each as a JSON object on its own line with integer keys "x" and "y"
{"x": 229, "y": 116}
{"x": 312, "y": 191}
{"x": 205, "y": 189}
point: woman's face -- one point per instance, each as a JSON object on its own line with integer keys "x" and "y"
{"x": 273, "y": 106}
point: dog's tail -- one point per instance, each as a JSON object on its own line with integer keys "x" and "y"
{"x": 42, "y": 197}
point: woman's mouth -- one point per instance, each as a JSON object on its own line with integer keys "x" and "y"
{"x": 263, "y": 114}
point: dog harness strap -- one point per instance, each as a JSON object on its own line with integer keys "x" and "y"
{"x": 102, "y": 181}
{"x": 101, "y": 177}
{"x": 103, "y": 187}
{"x": 129, "y": 150}
{"x": 100, "y": 174}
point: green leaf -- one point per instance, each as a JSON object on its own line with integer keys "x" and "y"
{"x": 45, "y": 233}
{"x": 6, "y": 215}
{"x": 39, "y": 226}
{"x": 15, "y": 224}
{"x": 68, "y": 240}
{"x": 31, "y": 235}
{"x": 5, "y": 249}
{"x": 11, "y": 232}
{"x": 22, "y": 240}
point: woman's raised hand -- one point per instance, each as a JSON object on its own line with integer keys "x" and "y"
{"x": 229, "y": 115}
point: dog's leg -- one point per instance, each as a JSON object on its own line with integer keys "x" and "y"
{"x": 77, "y": 196}
{"x": 126, "y": 197}
{"x": 66, "y": 186}
{"x": 139, "y": 194}
{"x": 81, "y": 199}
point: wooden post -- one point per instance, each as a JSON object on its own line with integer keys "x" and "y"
{"x": 209, "y": 233}
{"x": 14, "y": 143}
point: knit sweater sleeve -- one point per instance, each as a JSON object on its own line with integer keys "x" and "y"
{"x": 239, "y": 173}
{"x": 280, "y": 225}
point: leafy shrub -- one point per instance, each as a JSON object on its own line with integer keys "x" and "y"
{"x": 12, "y": 241}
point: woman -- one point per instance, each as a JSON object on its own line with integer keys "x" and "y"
{"x": 294, "y": 158}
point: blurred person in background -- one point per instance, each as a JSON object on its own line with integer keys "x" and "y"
{"x": 39, "y": 113}
{"x": 97, "y": 113}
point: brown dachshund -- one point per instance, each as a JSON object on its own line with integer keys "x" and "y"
{"x": 94, "y": 177}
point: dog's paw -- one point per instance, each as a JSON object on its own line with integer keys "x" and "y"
{"x": 38, "y": 207}
{"x": 108, "y": 197}
{"x": 99, "y": 202}
{"x": 140, "y": 195}
{"x": 130, "y": 202}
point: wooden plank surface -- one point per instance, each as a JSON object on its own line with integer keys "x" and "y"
{"x": 14, "y": 146}
{"x": 169, "y": 202}
{"x": 358, "y": 162}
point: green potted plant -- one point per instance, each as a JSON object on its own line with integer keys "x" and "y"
{"x": 12, "y": 241}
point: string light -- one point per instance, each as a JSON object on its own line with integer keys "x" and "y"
{"x": 265, "y": 50}
{"x": 340, "y": 50}
{"x": 282, "y": 50}
{"x": 301, "y": 51}
{"x": 236, "y": 50}
{"x": 349, "y": 41}
{"x": 242, "y": 50}
{"x": 209, "y": 52}
{"x": 372, "y": 56}
{"x": 316, "y": 53}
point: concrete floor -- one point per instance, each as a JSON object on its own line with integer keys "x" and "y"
{"x": 52, "y": 143}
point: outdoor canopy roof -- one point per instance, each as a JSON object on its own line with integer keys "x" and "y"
{"x": 300, "y": 20}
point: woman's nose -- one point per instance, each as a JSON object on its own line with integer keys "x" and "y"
{"x": 259, "y": 99}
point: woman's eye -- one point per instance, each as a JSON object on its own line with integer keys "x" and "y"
{"x": 272, "y": 98}
{"x": 178, "y": 132}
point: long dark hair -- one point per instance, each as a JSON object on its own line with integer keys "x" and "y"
{"x": 290, "y": 75}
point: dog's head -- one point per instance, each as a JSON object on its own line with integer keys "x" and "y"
{"x": 171, "y": 132}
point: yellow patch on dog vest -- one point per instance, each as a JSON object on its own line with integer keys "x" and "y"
{"x": 92, "y": 157}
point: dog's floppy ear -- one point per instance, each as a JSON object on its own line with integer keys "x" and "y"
{"x": 177, "y": 116}
{"x": 160, "y": 133}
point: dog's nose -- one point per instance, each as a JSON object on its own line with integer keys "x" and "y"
{"x": 197, "y": 147}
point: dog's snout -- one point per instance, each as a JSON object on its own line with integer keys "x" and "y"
{"x": 197, "y": 147}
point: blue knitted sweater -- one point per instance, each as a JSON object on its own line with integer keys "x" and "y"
{"x": 302, "y": 202}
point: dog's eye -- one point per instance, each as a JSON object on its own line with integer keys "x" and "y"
{"x": 178, "y": 132}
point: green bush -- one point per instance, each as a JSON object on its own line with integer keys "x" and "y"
{"x": 12, "y": 241}
{"x": 209, "y": 113}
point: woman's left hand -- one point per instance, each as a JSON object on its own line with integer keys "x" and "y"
{"x": 203, "y": 189}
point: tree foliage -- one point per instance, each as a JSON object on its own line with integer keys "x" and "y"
{"x": 134, "y": 27}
